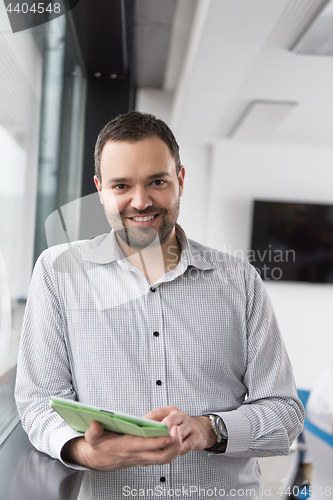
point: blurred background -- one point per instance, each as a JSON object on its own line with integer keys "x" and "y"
{"x": 246, "y": 87}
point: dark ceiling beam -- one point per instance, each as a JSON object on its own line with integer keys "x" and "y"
{"x": 152, "y": 32}
{"x": 102, "y": 28}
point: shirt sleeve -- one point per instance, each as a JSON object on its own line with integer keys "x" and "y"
{"x": 43, "y": 367}
{"x": 271, "y": 416}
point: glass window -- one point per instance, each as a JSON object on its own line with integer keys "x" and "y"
{"x": 42, "y": 96}
{"x": 21, "y": 67}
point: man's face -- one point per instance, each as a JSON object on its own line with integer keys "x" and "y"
{"x": 140, "y": 190}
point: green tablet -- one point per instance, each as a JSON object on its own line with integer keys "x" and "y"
{"x": 79, "y": 416}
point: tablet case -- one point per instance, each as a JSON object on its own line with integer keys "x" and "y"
{"x": 79, "y": 416}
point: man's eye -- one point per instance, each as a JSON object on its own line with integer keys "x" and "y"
{"x": 119, "y": 187}
{"x": 158, "y": 182}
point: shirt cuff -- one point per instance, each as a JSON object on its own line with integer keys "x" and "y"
{"x": 239, "y": 432}
{"x": 58, "y": 440}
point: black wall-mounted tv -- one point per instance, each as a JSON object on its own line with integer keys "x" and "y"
{"x": 292, "y": 241}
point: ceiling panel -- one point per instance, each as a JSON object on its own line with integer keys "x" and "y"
{"x": 242, "y": 55}
{"x": 228, "y": 42}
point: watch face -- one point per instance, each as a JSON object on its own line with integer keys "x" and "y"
{"x": 221, "y": 428}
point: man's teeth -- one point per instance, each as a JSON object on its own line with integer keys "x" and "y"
{"x": 144, "y": 219}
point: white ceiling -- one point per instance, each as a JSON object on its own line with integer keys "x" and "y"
{"x": 236, "y": 53}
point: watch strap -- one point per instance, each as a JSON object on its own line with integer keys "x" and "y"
{"x": 218, "y": 447}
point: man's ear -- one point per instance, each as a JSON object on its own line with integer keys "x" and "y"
{"x": 181, "y": 177}
{"x": 98, "y": 185}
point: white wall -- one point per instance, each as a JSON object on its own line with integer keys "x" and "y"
{"x": 241, "y": 173}
{"x": 155, "y": 101}
{"x": 196, "y": 159}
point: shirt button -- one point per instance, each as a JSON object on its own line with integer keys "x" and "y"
{"x": 156, "y": 334}
{"x": 158, "y": 382}
{"x": 153, "y": 289}
{"x": 162, "y": 479}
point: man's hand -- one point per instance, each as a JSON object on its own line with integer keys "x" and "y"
{"x": 104, "y": 451}
{"x": 196, "y": 433}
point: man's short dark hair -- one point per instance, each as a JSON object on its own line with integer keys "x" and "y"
{"x": 133, "y": 127}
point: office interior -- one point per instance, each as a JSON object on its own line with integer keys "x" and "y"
{"x": 246, "y": 87}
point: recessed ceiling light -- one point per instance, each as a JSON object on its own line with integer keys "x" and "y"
{"x": 317, "y": 40}
{"x": 260, "y": 119}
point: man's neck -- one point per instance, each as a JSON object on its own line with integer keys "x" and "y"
{"x": 154, "y": 261}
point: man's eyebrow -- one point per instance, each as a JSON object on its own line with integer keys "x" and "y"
{"x": 123, "y": 180}
{"x": 158, "y": 175}
{"x": 120, "y": 180}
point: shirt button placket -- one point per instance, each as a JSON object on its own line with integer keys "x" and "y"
{"x": 158, "y": 368}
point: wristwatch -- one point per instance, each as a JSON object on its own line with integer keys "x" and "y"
{"x": 221, "y": 433}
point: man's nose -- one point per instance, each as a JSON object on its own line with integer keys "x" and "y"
{"x": 141, "y": 198}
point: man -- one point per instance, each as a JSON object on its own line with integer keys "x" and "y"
{"x": 146, "y": 322}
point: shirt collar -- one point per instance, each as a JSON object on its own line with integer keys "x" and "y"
{"x": 108, "y": 251}
{"x": 190, "y": 255}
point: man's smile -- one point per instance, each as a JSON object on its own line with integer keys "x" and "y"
{"x": 143, "y": 220}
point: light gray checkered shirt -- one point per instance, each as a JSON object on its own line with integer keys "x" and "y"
{"x": 90, "y": 334}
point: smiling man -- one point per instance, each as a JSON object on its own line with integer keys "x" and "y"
{"x": 146, "y": 196}
{"x": 144, "y": 321}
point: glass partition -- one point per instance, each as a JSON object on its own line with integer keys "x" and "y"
{"x": 61, "y": 138}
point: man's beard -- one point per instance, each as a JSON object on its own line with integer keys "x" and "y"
{"x": 142, "y": 236}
